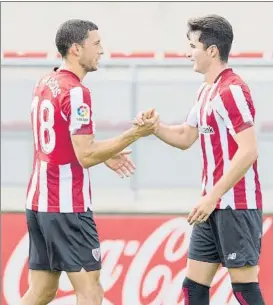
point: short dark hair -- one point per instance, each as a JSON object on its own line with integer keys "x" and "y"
{"x": 214, "y": 30}
{"x": 72, "y": 31}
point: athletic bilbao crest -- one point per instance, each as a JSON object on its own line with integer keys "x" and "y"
{"x": 96, "y": 254}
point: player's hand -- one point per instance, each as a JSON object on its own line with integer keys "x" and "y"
{"x": 143, "y": 115}
{"x": 202, "y": 211}
{"x": 147, "y": 122}
{"x": 121, "y": 164}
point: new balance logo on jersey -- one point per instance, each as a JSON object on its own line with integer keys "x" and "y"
{"x": 231, "y": 256}
{"x": 96, "y": 254}
{"x": 83, "y": 114}
{"x": 206, "y": 130}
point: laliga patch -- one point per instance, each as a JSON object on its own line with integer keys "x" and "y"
{"x": 96, "y": 254}
{"x": 83, "y": 114}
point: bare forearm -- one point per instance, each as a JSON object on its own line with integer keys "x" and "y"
{"x": 176, "y": 136}
{"x": 239, "y": 165}
{"x": 100, "y": 151}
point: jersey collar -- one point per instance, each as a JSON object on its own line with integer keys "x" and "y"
{"x": 224, "y": 72}
{"x": 60, "y": 70}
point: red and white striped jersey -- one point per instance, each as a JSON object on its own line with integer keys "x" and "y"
{"x": 61, "y": 106}
{"x": 221, "y": 111}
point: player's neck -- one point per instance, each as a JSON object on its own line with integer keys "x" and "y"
{"x": 212, "y": 74}
{"x": 74, "y": 68}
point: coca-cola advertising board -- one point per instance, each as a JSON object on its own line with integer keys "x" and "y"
{"x": 144, "y": 262}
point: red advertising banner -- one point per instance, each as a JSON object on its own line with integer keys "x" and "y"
{"x": 144, "y": 262}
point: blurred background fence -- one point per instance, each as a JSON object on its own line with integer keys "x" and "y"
{"x": 120, "y": 89}
{"x": 154, "y": 74}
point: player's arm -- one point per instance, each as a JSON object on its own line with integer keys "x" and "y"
{"x": 76, "y": 109}
{"x": 235, "y": 111}
{"x": 90, "y": 152}
{"x": 180, "y": 136}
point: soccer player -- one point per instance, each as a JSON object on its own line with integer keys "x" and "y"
{"x": 62, "y": 231}
{"x": 228, "y": 218}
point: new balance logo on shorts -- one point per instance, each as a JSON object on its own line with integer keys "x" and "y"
{"x": 96, "y": 254}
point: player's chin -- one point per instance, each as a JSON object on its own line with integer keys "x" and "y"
{"x": 197, "y": 69}
{"x": 93, "y": 68}
{"x": 96, "y": 66}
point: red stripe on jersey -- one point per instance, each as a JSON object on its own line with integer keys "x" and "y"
{"x": 53, "y": 186}
{"x": 77, "y": 188}
{"x": 258, "y": 187}
{"x": 35, "y": 200}
{"x": 235, "y": 115}
{"x": 218, "y": 205}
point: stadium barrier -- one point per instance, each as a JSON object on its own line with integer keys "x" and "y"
{"x": 144, "y": 261}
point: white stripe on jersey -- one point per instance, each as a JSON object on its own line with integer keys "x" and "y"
{"x": 241, "y": 102}
{"x": 76, "y": 100}
{"x": 32, "y": 188}
{"x": 228, "y": 197}
{"x": 43, "y": 195}
{"x": 192, "y": 116}
{"x": 221, "y": 110}
{"x": 200, "y": 89}
{"x": 203, "y": 186}
{"x": 250, "y": 189}
{"x": 85, "y": 190}
{"x": 63, "y": 116}
{"x": 66, "y": 188}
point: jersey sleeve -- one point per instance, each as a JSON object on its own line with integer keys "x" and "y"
{"x": 192, "y": 117}
{"x": 76, "y": 109}
{"x": 235, "y": 106}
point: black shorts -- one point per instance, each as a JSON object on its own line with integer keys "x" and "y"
{"x": 63, "y": 241}
{"x": 230, "y": 237}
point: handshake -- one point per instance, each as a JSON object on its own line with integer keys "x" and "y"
{"x": 146, "y": 123}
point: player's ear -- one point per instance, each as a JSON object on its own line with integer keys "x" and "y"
{"x": 75, "y": 49}
{"x": 213, "y": 51}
